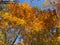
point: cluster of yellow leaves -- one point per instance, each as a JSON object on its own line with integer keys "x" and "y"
{"x": 58, "y": 22}
{"x": 24, "y": 14}
{"x": 9, "y": 17}
{"x": 2, "y": 39}
{"x": 26, "y": 6}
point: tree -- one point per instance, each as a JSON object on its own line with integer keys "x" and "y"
{"x": 35, "y": 26}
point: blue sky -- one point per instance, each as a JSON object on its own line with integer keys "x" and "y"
{"x": 18, "y": 39}
{"x": 34, "y": 3}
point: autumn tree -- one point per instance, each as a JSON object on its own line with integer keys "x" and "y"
{"x": 32, "y": 23}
